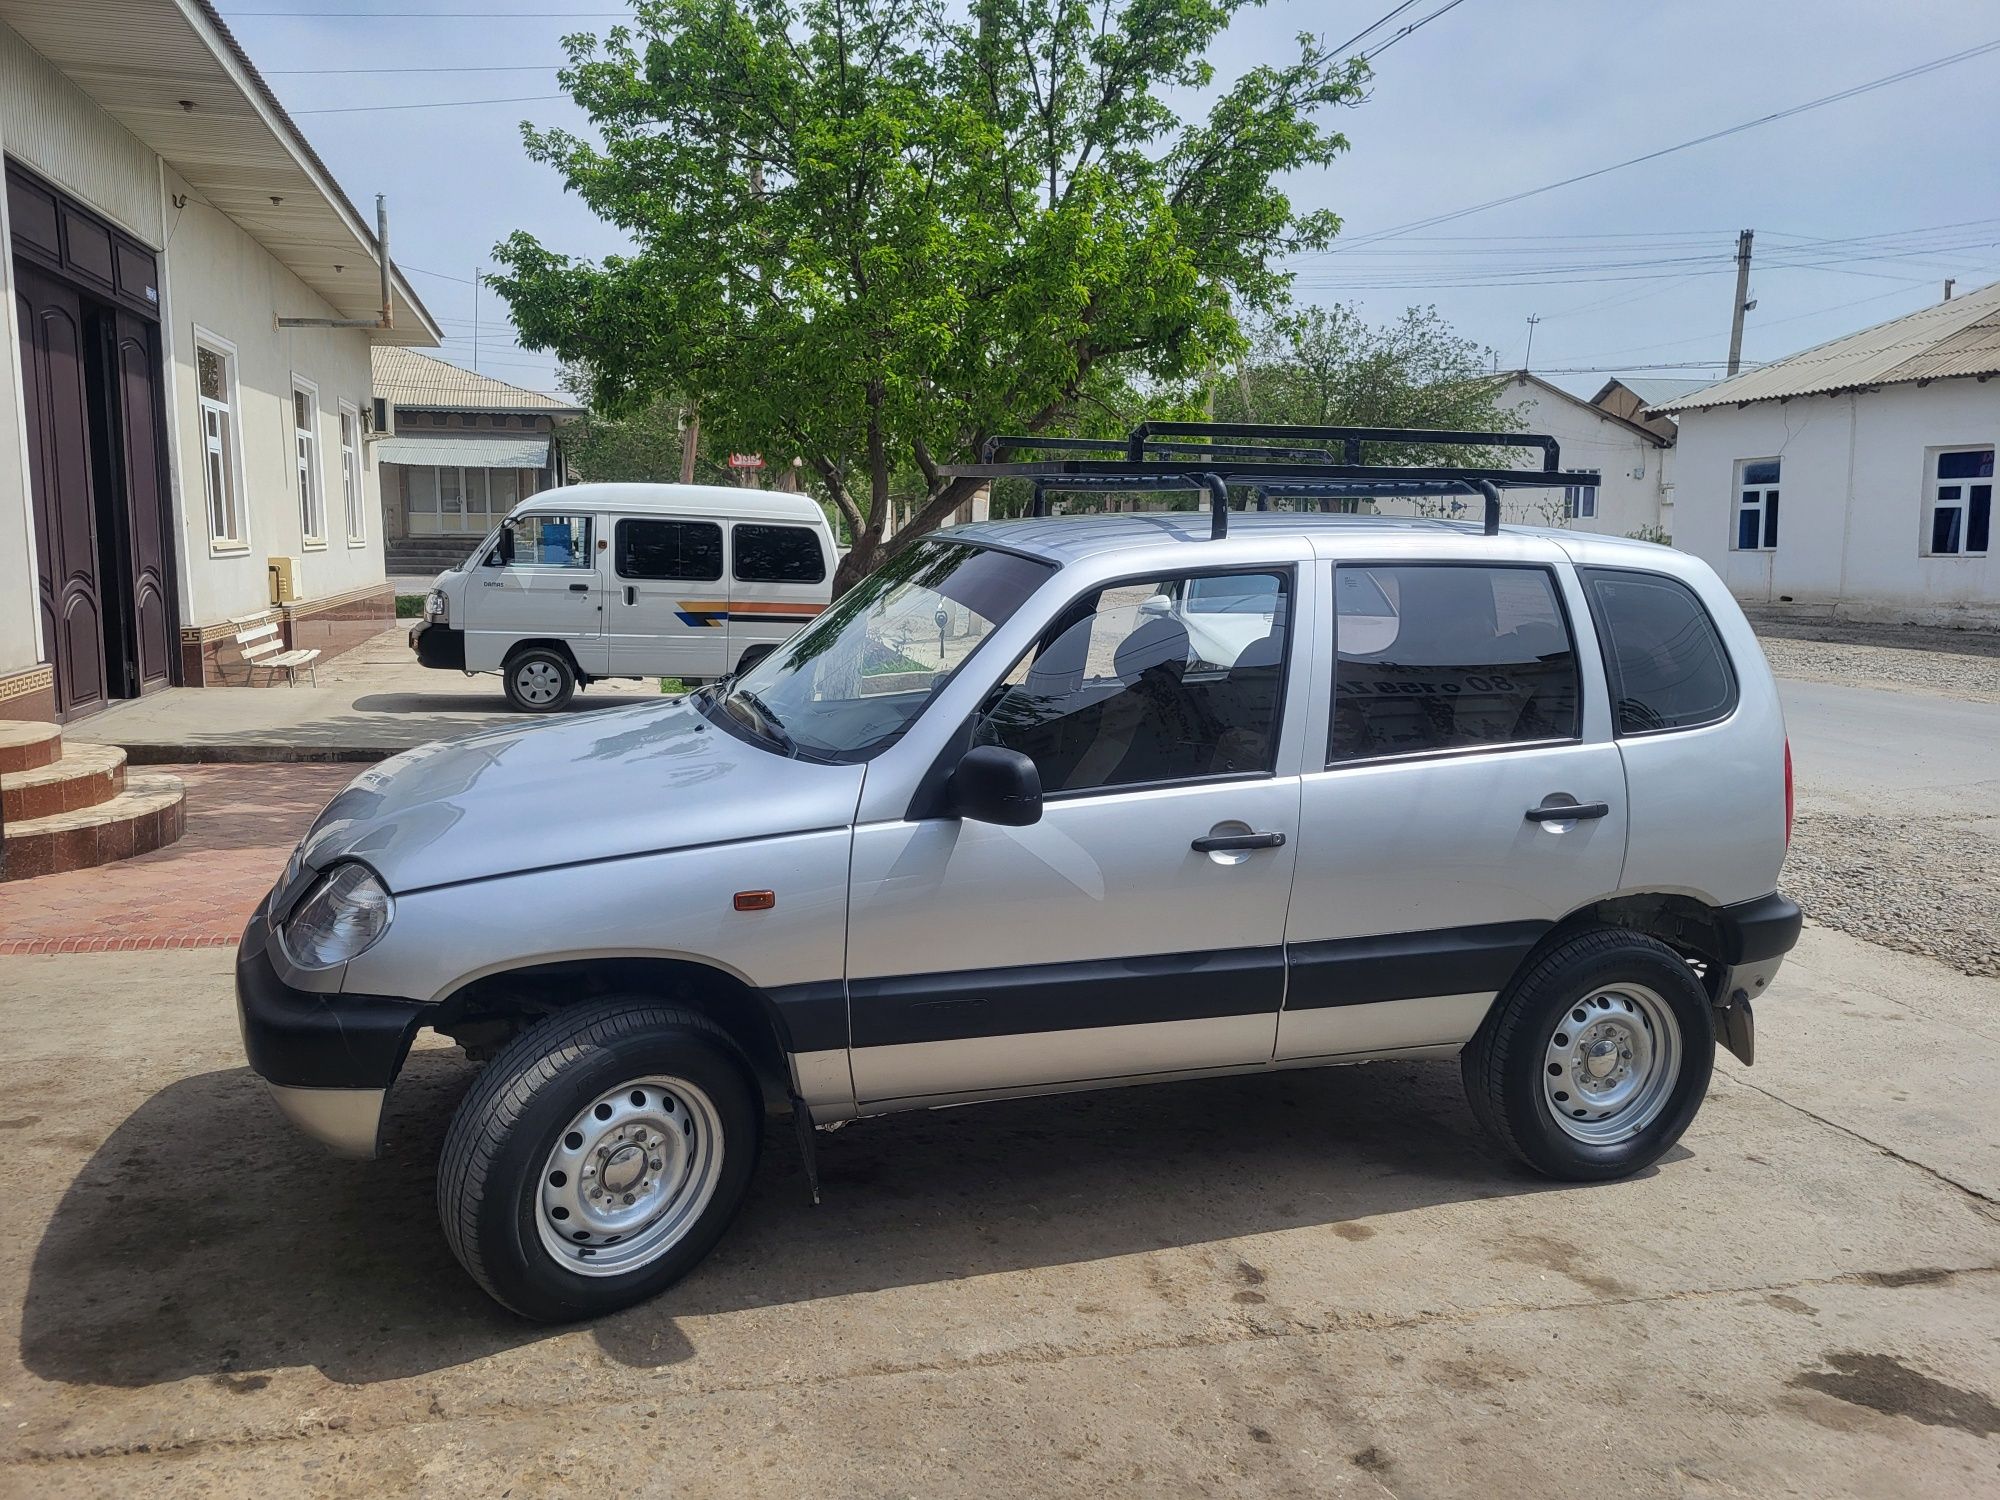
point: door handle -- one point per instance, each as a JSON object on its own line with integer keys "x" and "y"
{"x": 1568, "y": 812}
{"x": 1215, "y": 843}
{"x": 579, "y": 588}
{"x": 631, "y": 594}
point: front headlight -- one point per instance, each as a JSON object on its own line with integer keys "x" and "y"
{"x": 437, "y": 607}
{"x": 337, "y": 919}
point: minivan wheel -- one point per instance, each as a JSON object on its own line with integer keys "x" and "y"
{"x": 539, "y": 680}
{"x": 1594, "y": 1061}
{"x": 598, "y": 1159}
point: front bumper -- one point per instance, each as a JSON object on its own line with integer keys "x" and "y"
{"x": 438, "y": 645}
{"x": 329, "y": 1059}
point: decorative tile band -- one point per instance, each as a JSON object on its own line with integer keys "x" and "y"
{"x": 21, "y": 684}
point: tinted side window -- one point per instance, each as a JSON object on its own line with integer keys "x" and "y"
{"x": 1444, "y": 656}
{"x": 670, "y": 549}
{"x": 1668, "y": 668}
{"x": 778, "y": 554}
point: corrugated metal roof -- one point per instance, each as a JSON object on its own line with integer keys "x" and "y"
{"x": 1959, "y": 337}
{"x": 410, "y": 379}
{"x": 1652, "y": 390}
{"x": 470, "y": 452}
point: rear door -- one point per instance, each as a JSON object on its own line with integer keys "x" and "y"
{"x": 668, "y": 609}
{"x": 1465, "y": 709}
{"x": 550, "y": 589}
{"x": 780, "y": 577}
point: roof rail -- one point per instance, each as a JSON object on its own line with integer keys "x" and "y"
{"x": 1161, "y": 456}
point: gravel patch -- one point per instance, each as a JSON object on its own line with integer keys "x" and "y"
{"x": 1950, "y": 674}
{"x": 1918, "y": 885}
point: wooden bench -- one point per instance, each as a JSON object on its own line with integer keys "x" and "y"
{"x": 260, "y": 645}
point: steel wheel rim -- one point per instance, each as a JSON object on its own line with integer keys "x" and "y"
{"x": 537, "y": 681}
{"x": 628, "y": 1178}
{"x": 1611, "y": 1064}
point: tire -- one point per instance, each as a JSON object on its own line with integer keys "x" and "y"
{"x": 1531, "y": 1073}
{"x": 540, "y": 680}
{"x": 529, "y": 1111}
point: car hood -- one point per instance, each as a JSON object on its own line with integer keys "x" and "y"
{"x": 590, "y": 786}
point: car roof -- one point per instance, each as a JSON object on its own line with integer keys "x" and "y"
{"x": 719, "y": 500}
{"x": 1066, "y": 539}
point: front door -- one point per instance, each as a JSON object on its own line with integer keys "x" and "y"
{"x": 1437, "y": 854}
{"x": 667, "y": 612}
{"x": 1137, "y": 928}
{"x": 550, "y": 589}
{"x": 56, "y": 392}
{"x": 149, "y": 613}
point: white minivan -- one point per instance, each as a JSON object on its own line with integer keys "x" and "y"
{"x": 629, "y": 580}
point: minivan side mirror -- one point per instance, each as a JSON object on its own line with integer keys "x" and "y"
{"x": 993, "y": 784}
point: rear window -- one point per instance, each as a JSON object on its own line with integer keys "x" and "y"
{"x": 778, "y": 554}
{"x": 1440, "y": 657}
{"x": 670, "y": 549}
{"x": 1667, "y": 665}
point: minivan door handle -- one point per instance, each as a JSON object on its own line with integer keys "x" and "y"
{"x": 579, "y": 588}
{"x": 1215, "y": 843}
{"x": 1568, "y": 812}
{"x": 631, "y": 594}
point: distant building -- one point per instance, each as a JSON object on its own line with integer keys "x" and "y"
{"x": 465, "y": 450}
{"x": 1855, "y": 478}
{"x": 163, "y": 440}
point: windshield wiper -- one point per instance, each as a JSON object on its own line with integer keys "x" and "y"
{"x": 772, "y": 728}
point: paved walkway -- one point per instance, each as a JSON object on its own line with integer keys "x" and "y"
{"x": 242, "y": 822}
{"x": 370, "y": 703}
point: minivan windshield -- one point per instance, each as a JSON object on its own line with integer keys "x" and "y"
{"x": 849, "y": 684}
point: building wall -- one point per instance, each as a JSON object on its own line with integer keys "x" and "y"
{"x": 467, "y": 427}
{"x": 1630, "y": 466}
{"x": 224, "y": 283}
{"x": 1851, "y": 512}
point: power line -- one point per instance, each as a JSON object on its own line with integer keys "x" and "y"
{"x": 429, "y": 15}
{"x": 1714, "y": 135}
{"x": 1375, "y": 25}
{"x": 363, "y": 109}
{"x": 1416, "y": 25}
{"x": 323, "y": 72}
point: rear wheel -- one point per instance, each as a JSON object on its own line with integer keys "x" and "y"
{"x": 539, "y": 680}
{"x": 1596, "y": 1058}
{"x": 598, "y": 1159}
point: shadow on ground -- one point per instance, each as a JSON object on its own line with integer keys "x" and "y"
{"x": 205, "y": 1237}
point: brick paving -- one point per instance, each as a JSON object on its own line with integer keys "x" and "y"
{"x": 242, "y": 822}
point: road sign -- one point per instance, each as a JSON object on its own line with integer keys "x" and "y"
{"x": 746, "y": 460}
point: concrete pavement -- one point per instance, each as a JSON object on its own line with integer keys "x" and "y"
{"x": 1307, "y": 1284}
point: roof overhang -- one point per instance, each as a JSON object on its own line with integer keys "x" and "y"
{"x": 471, "y": 453}
{"x": 143, "y": 61}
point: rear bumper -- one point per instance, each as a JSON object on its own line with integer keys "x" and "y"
{"x": 1767, "y": 928}
{"x": 438, "y": 646}
{"x": 329, "y": 1059}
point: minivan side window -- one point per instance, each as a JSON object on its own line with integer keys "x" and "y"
{"x": 1445, "y": 656}
{"x": 1667, "y": 664}
{"x": 689, "y": 550}
{"x": 778, "y": 554}
{"x": 552, "y": 542}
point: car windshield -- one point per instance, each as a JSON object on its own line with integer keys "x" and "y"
{"x": 848, "y": 685}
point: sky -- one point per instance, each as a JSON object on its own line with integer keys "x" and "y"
{"x": 1861, "y": 208}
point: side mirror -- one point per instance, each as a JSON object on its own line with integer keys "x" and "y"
{"x": 1156, "y": 606}
{"x": 993, "y": 784}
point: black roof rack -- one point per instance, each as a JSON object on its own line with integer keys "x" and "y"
{"x": 1212, "y": 456}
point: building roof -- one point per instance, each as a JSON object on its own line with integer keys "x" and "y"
{"x": 1651, "y": 390}
{"x": 1959, "y": 337}
{"x": 421, "y": 382}
{"x": 171, "y": 73}
{"x": 1528, "y": 378}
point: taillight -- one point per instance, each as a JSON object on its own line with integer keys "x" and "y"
{"x": 1788, "y": 791}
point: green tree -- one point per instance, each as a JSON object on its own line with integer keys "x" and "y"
{"x": 643, "y": 446}
{"x": 872, "y": 233}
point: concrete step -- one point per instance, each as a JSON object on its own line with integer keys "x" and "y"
{"x": 27, "y": 743}
{"x": 85, "y": 776}
{"x": 151, "y": 812}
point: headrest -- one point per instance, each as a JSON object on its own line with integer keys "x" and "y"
{"x": 1162, "y": 642}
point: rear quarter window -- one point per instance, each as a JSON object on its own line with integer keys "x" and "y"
{"x": 1667, "y": 664}
{"x": 778, "y": 554}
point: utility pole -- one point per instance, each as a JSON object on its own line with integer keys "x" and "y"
{"x": 475, "y": 320}
{"x": 1743, "y": 302}
{"x": 1528, "y": 359}
{"x": 1949, "y": 283}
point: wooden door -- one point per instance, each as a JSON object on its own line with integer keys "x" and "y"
{"x": 57, "y": 398}
{"x": 148, "y": 613}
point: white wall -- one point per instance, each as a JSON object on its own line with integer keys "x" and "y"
{"x": 20, "y": 611}
{"x": 221, "y": 280}
{"x": 1851, "y": 515}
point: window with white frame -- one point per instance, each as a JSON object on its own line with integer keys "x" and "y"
{"x": 1580, "y": 500}
{"x": 350, "y": 473}
{"x": 215, "y": 394}
{"x": 1960, "y": 520}
{"x": 1757, "y": 505}
{"x": 305, "y": 461}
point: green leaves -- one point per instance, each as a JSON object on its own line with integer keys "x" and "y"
{"x": 871, "y": 233}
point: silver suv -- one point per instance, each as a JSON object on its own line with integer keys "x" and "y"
{"x": 1047, "y": 805}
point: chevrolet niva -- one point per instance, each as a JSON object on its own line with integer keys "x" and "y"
{"x": 1054, "y": 804}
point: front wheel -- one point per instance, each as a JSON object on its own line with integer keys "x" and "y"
{"x": 598, "y": 1159}
{"x": 539, "y": 680}
{"x": 1596, "y": 1058}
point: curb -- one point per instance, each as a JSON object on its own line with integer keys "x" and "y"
{"x": 256, "y": 755}
{"x": 32, "y": 947}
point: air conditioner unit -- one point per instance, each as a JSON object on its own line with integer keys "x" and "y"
{"x": 284, "y": 575}
{"x": 381, "y": 419}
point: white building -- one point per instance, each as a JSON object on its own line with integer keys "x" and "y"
{"x": 162, "y": 437}
{"x": 1855, "y": 478}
